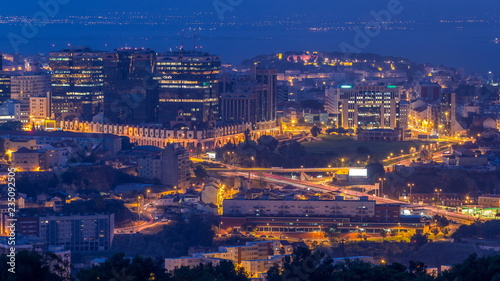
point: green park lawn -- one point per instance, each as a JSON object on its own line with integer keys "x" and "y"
{"x": 344, "y": 145}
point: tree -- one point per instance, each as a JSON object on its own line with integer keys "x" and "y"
{"x": 426, "y": 155}
{"x": 11, "y": 126}
{"x": 468, "y": 231}
{"x": 315, "y": 131}
{"x": 331, "y": 130}
{"x": 435, "y": 231}
{"x": 441, "y": 221}
{"x": 29, "y": 266}
{"x": 491, "y": 229}
{"x": 200, "y": 172}
{"x": 246, "y": 133}
{"x": 269, "y": 142}
{"x": 474, "y": 268}
{"x": 419, "y": 239}
{"x": 249, "y": 227}
{"x": 417, "y": 268}
{"x": 194, "y": 231}
{"x": 383, "y": 234}
{"x": 305, "y": 265}
{"x": 375, "y": 170}
{"x": 225, "y": 270}
{"x": 126, "y": 144}
{"x": 120, "y": 268}
{"x": 331, "y": 232}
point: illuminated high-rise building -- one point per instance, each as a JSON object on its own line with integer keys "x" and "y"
{"x": 77, "y": 83}
{"x": 372, "y": 107}
{"x": 189, "y": 90}
{"x": 25, "y": 87}
{"x": 130, "y": 92}
{"x": 268, "y": 93}
{"x": 249, "y": 98}
{"x": 4, "y": 87}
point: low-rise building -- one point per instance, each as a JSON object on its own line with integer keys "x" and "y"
{"x": 106, "y": 142}
{"x": 10, "y": 110}
{"x": 171, "y": 166}
{"x": 490, "y": 200}
{"x": 30, "y": 160}
{"x": 360, "y": 209}
{"x": 380, "y": 135}
{"x": 254, "y": 257}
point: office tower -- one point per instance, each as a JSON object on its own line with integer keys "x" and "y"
{"x": 371, "y": 107}
{"x": 332, "y": 103}
{"x": 4, "y": 87}
{"x": 189, "y": 90}
{"x": 490, "y": 78}
{"x": 283, "y": 92}
{"x": 239, "y": 107}
{"x": 268, "y": 93}
{"x": 251, "y": 98}
{"x": 77, "y": 83}
{"x": 130, "y": 92}
{"x": 29, "y": 86}
{"x": 176, "y": 166}
{"x": 239, "y": 99}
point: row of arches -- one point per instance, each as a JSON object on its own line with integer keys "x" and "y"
{"x": 204, "y": 140}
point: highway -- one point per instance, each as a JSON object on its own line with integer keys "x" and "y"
{"x": 281, "y": 170}
{"x": 142, "y": 225}
{"x": 379, "y": 200}
{"x": 405, "y": 159}
{"x": 259, "y": 173}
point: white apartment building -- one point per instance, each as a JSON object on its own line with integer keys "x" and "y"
{"x": 339, "y": 207}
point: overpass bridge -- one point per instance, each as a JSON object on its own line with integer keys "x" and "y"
{"x": 286, "y": 170}
{"x": 281, "y": 170}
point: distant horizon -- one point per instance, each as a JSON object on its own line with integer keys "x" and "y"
{"x": 453, "y": 33}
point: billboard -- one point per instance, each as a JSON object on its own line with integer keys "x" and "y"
{"x": 358, "y": 172}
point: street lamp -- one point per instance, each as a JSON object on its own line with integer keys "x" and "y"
{"x": 438, "y": 191}
{"x": 381, "y": 188}
{"x": 410, "y": 185}
{"x": 139, "y": 207}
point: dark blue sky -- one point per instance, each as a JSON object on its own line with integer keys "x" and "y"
{"x": 424, "y": 39}
{"x": 342, "y": 8}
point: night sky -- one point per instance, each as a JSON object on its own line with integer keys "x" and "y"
{"x": 417, "y": 9}
{"x": 434, "y": 31}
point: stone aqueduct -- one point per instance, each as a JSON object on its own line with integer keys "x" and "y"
{"x": 204, "y": 139}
